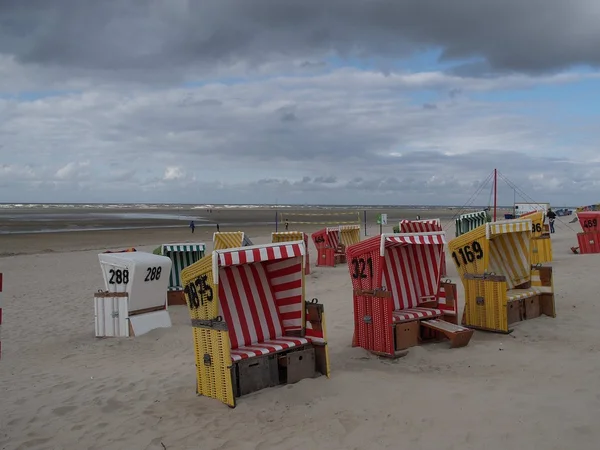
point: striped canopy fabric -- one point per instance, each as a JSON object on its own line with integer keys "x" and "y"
{"x": 408, "y": 265}
{"x": 255, "y": 254}
{"x": 349, "y": 234}
{"x": 182, "y": 256}
{"x": 420, "y": 226}
{"x": 509, "y": 250}
{"x": 229, "y": 239}
{"x": 507, "y": 226}
{"x": 423, "y": 226}
{"x": 287, "y": 236}
{"x": 183, "y": 248}
{"x": 260, "y": 291}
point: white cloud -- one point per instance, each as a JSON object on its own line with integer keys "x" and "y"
{"x": 362, "y": 131}
{"x": 72, "y": 170}
{"x": 173, "y": 173}
{"x": 15, "y": 172}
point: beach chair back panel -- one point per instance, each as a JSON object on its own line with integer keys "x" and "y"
{"x": 537, "y": 222}
{"x": 365, "y": 268}
{"x": 365, "y": 264}
{"x": 541, "y": 250}
{"x": 412, "y": 272}
{"x": 228, "y": 239}
{"x": 213, "y": 377}
{"x": 287, "y": 283}
{"x": 327, "y": 237}
{"x": 589, "y": 221}
{"x": 510, "y": 251}
{"x": 320, "y": 238}
{"x": 200, "y": 290}
{"x": 589, "y": 242}
{"x": 420, "y": 226}
{"x": 247, "y": 305}
{"x": 182, "y": 256}
{"x": 211, "y": 346}
{"x": 349, "y": 234}
{"x": 470, "y": 252}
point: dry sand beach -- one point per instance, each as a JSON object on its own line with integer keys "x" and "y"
{"x": 61, "y": 388}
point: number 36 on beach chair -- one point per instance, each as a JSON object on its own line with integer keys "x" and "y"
{"x": 252, "y": 327}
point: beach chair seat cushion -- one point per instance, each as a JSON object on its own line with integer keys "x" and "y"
{"x": 513, "y": 295}
{"x": 406, "y": 315}
{"x": 267, "y": 347}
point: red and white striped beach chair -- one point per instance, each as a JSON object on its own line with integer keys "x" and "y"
{"x": 399, "y": 299}
{"x": 424, "y": 226}
{"x": 252, "y": 326}
{"x": 330, "y": 250}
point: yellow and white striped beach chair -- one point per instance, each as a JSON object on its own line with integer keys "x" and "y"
{"x": 501, "y": 286}
{"x": 541, "y": 244}
{"x": 230, "y": 239}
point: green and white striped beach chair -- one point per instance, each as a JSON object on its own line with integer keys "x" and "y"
{"x": 470, "y": 221}
{"x": 182, "y": 256}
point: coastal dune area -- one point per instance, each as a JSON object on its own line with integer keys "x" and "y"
{"x": 63, "y": 388}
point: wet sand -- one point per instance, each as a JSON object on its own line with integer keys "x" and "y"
{"x": 253, "y": 222}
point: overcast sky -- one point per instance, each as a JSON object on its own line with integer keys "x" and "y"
{"x": 299, "y": 101}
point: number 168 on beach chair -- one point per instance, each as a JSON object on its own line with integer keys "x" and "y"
{"x": 251, "y": 324}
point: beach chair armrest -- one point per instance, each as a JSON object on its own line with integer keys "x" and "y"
{"x": 430, "y": 304}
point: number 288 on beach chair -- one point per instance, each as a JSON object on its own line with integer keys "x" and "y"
{"x": 399, "y": 299}
{"x": 252, "y": 327}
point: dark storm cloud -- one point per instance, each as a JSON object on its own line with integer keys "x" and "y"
{"x": 510, "y": 35}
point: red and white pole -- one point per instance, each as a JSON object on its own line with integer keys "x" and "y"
{"x": 495, "y": 192}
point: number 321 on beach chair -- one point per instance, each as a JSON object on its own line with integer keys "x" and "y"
{"x": 252, "y": 327}
{"x": 399, "y": 299}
